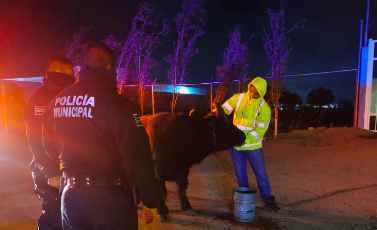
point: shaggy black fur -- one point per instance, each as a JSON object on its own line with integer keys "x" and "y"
{"x": 179, "y": 141}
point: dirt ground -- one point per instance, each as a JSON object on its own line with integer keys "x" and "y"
{"x": 322, "y": 179}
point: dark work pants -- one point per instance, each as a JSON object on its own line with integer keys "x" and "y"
{"x": 98, "y": 208}
{"x": 51, "y": 216}
{"x": 256, "y": 160}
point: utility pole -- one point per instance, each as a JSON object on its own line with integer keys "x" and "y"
{"x": 211, "y": 94}
{"x": 355, "y": 115}
{"x": 366, "y": 25}
{"x": 153, "y": 95}
{"x": 359, "y": 66}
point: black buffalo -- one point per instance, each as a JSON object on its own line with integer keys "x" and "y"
{"x": 179, "y": 141}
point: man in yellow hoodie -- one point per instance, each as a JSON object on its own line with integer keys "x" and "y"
{"x": 252, "y": 115}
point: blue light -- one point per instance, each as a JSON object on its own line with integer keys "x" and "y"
{"x": 180, "y": 89}
{"x": 183, "y": 90}
{"x": 29, "y": 79}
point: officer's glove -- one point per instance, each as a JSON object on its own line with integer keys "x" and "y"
{"x": 150, "y": 215}
{"x": 54, "y": 182}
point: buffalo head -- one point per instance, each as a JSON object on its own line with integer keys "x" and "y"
{"x": 226, "y": 135}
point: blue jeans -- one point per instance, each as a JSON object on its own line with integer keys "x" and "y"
{"x": 257, "y": 163}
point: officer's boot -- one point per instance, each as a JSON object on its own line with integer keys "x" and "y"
{"x": 270, "y": 204}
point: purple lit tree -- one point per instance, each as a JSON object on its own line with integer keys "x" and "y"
{"x": 141, "y": 42}
{"x": 126, "y": 57}
{"x": 235, "y": 64}
{"x": 113, "y": 44}
{"x": 277, "y": 49}
{"x": 189, "y": 24}
{"x": 73, "y": 49}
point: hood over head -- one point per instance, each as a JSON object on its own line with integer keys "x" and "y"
{"x": 260, "y": 84}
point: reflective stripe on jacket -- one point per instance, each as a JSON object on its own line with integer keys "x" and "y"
{"x": 252, "y": 116}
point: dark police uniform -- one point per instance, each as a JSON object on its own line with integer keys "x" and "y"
{"x": 102, "y": 146}
{"x": 42, "y": 167}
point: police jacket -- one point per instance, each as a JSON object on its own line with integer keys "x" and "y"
{"x": 252, "y": 116}
{"x": 53, "y": 84}
{"x": 98, "y": 132}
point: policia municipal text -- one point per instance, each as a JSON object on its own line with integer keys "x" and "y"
{"x": 102, "y": 152}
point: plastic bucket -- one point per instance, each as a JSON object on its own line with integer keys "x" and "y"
{"x": 244, "y": 202}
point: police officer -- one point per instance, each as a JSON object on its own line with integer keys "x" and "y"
{"x": 103, "y": 147}
{"x": 59, "y": 75}
{"x": 252, "y": 115}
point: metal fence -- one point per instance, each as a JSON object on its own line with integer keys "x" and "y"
{"x": 157, "y": 102}
{"x": 327, "y": 100}
{"x": 330, "y": 104}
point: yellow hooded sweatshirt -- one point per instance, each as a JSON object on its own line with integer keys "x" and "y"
{"x": 252, "y": 116}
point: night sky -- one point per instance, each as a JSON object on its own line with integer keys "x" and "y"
{"x": 34, "y": 30}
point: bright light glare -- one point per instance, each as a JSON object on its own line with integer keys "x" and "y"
{"x": 183, "y": 90}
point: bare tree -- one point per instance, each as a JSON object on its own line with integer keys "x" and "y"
{"x": 235, "y": 64}
{"x": 113, "y": 44}
{"x": 126, "y": 57}
{"x": 189, "y": 24}
{"x": 277, "y": 49}
{"x": 141, "y": 42}
{"x": 73, "y": 49}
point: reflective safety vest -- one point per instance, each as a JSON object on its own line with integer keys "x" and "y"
{"x": 252, "y": 116}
